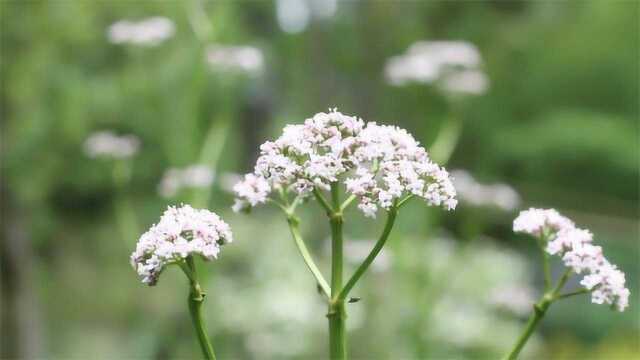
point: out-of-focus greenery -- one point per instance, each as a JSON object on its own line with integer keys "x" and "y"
{"x": 559, "y": 123}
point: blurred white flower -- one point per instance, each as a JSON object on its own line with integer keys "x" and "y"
{"x": 181, "y": 232}
{"x": 147, "y": 32}
{"x": 228, "y": 180}
{"x": 606, "y": 282}
{"x": 471, "y": 191}
{"x": 465, "y": 324}
{"x": 193, "y": 176}
{"x": 518, "y": 299}
{"x": 471, "y": 82}
{"x": 109, "y": 145}
{"x": 244, "y": 59}
{"x": 379, "y": 164}
{"x": 295, "y": 15}
{"x": 453, "y": 65}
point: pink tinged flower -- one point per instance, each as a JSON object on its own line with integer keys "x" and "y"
{"x": 181, "y": 232}
{"x": 376, "y": 163}
{"x": 574, "y": 245}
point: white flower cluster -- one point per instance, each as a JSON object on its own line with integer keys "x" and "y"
{"x": 147, "y": 32}
{"x": 574, "y": 245}
{"x": 108, "y": 144}
{"x": 453, "y": 64}
{"x": 194, "y": 176}
{"x": 181, "y": 232}
{"x": 471, "y": 191}
{"x": 377, "y": 163}
{"x": 246, "y": 59}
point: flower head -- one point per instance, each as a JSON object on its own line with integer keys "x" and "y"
{"x": 181, "y": 232}
{"x": 574, "y": 246}
{"x": 379, "y": 164}
{"x": 109, "y": 145}
{"x": 453, "y": 65}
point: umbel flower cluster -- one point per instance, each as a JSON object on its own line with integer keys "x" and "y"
{"x": 378, "y": 164}
{"x": 574, "y": 246}
{"x": 181, "y": 232}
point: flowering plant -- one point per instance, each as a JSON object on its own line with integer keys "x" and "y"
{"x": 557, "y": 235}
{"x": 380, "y": 166}
{"x": 181, "y": 234}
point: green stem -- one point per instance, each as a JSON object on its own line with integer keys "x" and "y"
{"x": 306, "y": 256}
{"x": 337, "y": 330}
{"x": 337, "y": 313}
{"x": 542, "y": 243}
{"x": 195, "y": 300}
{"x": 540, "y": 309}
{"x": 347, "y": 202}
{"x": 321, "y": 199}
{"x": 563, "y": 280}
{"x": 573, "y": 293}
{"x": 391, "y": 217}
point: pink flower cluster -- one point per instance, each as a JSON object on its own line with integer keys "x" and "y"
{"x": 574, "y": 246}
{"x": 378, "y": 164}
{"x": 181, "y": 232}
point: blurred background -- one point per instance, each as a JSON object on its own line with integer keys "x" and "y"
{"x": 113, "y": 110}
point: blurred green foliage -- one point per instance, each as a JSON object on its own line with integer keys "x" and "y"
{"x": 559, "y": 123}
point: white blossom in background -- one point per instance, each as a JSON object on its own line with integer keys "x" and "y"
{"x": 147, "y": 32}
{"x": 471, "y": 191}
{"x": 379, "y": 164}
{"x": 472, "y": 82}
{"x": 181, "y": 232}
{"x": 574, "y": 246}
{"x": 227, "y": 58}
{"x": 517, "y": 299}
{"x": 228, "y": 180}
{"x": 475, "y": 284}
{"x": 193, "y": 176}
{"x": 110, "y": 145}
{"x": 452, "y": 65}
{"x": 294, "y": 16}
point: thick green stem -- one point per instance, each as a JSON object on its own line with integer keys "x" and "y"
{"x": 391, "y": 217}
{"x": 337, "y": 330}
{"x": 196, "y": 298}
{"x": 337, "y": 313}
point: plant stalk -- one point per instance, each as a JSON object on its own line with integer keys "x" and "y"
{"x": 337, "y": 314}
{"x": 391, "y": 217}
{"x": 195, "y": 300}
{"x": 306, "y": 256}
{"x": 539, "y": 310}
